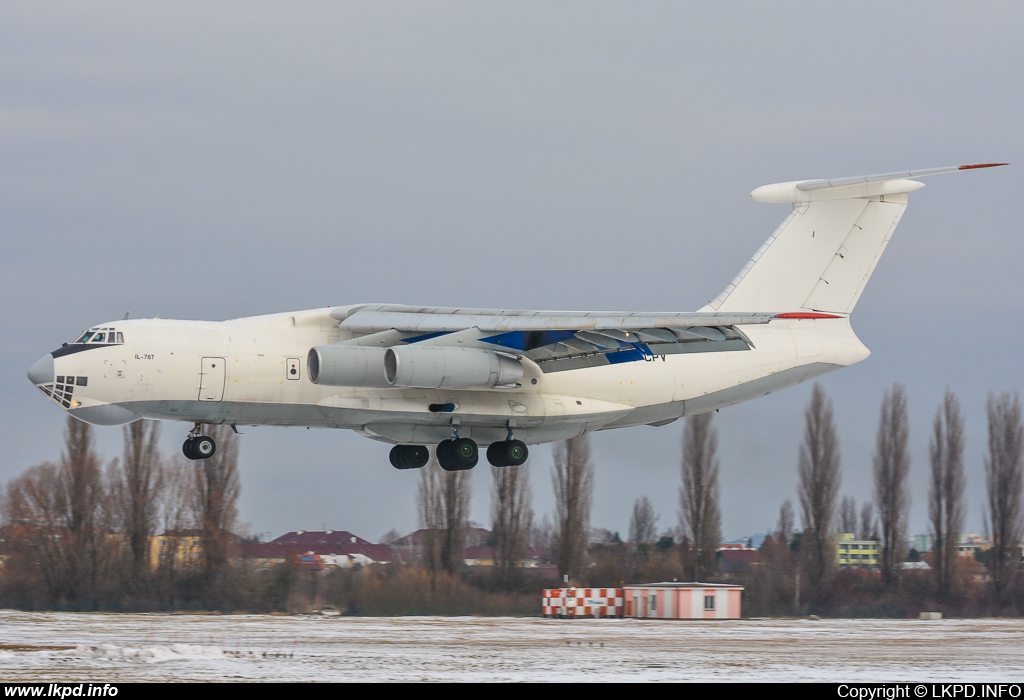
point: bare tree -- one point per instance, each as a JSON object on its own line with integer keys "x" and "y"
{"x": 30, "y": 507}
{"x": 428, "y": 505}
{"x": 700, "y": 512}
{"x": 891, "y": 466}
{"x": 818, "y": 486}
{"x": 784, "y": 528}
{"x": 136, "y": 483}
{"x": 643, "y": 524}
{"x": 868, "y": 525}
{"x": 848, "y": 515}
{"x": 512, "y": 518}
{"x": 946, "y": 508}
{"x": 63, "y": 510}
{"x": 215, "y": 499}
{"x": 573, "y": 481}
{"x": 443, "y": 504}
{"x": 175, "y": 515}
{"x": 1004, "y": 471}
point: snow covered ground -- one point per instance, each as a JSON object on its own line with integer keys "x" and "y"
{"x": 126, "y": 647}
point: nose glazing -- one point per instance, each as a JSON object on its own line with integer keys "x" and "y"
{"x": 42, "y": 371}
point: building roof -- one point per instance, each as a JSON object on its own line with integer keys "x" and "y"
{"x": 686, "y": 584}
{"x": 319, "y": 537}
{"x": 332, "y": 542}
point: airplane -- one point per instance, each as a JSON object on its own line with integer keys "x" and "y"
{"x": 457, "y": 378}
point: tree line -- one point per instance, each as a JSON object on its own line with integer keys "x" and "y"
{"x": 81, "y": 530}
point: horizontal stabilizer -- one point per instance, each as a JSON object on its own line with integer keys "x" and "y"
{"x": 852, "y": 187}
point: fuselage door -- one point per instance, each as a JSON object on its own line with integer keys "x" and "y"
{"x": 211, "y": 379}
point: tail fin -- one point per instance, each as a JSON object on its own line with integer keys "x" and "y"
{"x": 823, "y": 254}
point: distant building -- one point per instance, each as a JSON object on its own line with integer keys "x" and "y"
{"x": 263, "y": 556}
{"x": 334, "y": 548}
{"x": 582, "y": 602}
{"x": 179, "y": 548}
{"x": 854, "y": 553}
{"x": 971, "y": 544}
{"x": 683, "y": 601}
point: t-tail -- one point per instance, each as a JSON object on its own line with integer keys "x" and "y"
{"x": 822, "y": 255}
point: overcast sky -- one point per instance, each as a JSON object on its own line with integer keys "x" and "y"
{"x": 216, "y": 160}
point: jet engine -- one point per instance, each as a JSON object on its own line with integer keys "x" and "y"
{"x": 346, "y": 365}
{"x": 440, "y": 367}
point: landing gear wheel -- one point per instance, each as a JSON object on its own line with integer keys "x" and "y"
{"x": 516, "y": 453}
{"x": 466, "y": 453}
{"x": 186, "y": 449}
{"x": 495, "y": 454}
{"x": 444, "y": 457}
{"x": 409, "y": 456}
{"x": 203, "y": 447}
{"x": 457, "y": 455}
{"x": 510, "y": 453}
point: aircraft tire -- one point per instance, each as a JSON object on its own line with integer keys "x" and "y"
{"x": 395, "y": 456}
{"x": 203, "y": 447}
{"x": 466, "y": 453}
{"x": 515, "y": 453}
{"x": 445, "y": 457}
{"x": 496, "y": 454}
{"x": 186, "y": 449}
{"x": 415, "y": 456}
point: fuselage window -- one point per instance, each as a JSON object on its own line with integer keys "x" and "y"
{"x": 120, "y": 337}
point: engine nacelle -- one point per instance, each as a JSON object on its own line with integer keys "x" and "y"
{"x": 346, "y": 365}
{"x": 439, "y": 367}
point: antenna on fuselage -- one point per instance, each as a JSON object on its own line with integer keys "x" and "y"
{"x": 127, "y": 314}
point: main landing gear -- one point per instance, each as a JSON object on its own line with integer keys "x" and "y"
{"x": 510, "y": 453}
{"x": 457, "y": 454}
{"x": 460, "y": 454}
{"x": 409, "y": 456}
{"x": 198, "y": 446}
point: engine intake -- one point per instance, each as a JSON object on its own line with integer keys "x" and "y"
{"x": 449, "y": 368}
{"x": 346, "y": 365}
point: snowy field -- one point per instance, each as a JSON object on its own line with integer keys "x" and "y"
{"x": 104, "y": 648}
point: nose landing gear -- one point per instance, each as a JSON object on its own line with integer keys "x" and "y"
{"x": 198, "y": 446}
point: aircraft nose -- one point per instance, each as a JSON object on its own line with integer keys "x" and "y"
{"x": 42, "y": 371}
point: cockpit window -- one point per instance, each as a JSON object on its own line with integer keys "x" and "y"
{"x": 105, "y": 336}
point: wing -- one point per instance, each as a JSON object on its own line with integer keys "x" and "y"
{"x": 555, "y": 340}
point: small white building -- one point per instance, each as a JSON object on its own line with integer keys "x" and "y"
{"x": 683, "y": 601}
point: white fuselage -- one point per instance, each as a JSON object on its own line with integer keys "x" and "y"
{"x": 253, "y": 371}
